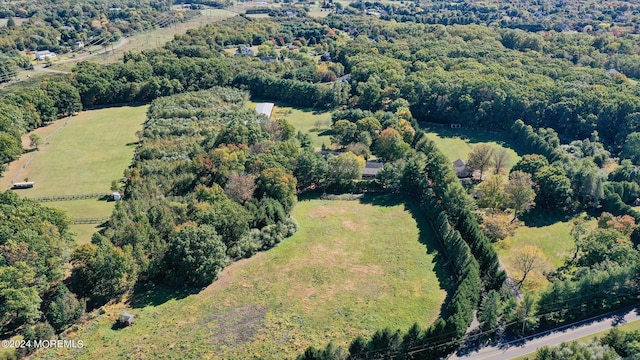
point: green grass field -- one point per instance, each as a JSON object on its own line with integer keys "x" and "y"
{"x": 316, "y": 124}
{"x": 352, "y": 268}
{"x": 87, "y": 154}
{"x": 552, "y": 238}
{"x": 83, "y": 157}
{"x": 457, "y": 143}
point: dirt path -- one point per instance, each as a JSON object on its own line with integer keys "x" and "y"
{"x": 16, "y": 168}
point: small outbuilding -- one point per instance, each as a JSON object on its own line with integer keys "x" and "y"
{"x": 126, "y": 319}
{"x": 243, "y": 50}
{"x": 371, "y": 169}
{"x": 461, "y": 168}
{"x": 116, "y": 196}
{"x": 23, "y": 185}
{"x": 265, "y": 108}
{"x": 45, "y": 54}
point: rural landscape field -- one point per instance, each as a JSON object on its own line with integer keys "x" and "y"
{"x": 353, "y": 267}
{"x": 337, "y": 180}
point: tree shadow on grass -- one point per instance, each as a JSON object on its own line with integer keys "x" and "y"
{"x": 426, "y": 235}
{"x": 154, "y": 295}
{"x": 473, "y": 135}
{"x": 540, "y": 218}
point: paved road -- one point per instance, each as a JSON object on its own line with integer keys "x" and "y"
{"x": 554, "y": 337}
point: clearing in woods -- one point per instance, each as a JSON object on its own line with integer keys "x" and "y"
{"x": 457, "y": 143}
{"x": 80, "y": 155}
{"x": 549, "y": 234}
{"x": 353, "y": 267}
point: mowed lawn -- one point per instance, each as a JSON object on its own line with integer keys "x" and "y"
{"x": 554, "y": 240}
{"x": 458, "y": 143}
{"x": 83, "y": 157}
{"x": 351, "y": 269}
{"x": 85, "y": 208}
{"x": 86, "y": 155}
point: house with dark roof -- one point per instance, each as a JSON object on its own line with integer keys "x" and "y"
{"x": 460, "y": 167}
{"x": 243, "y": 50}
{"x": 371, "y": 169}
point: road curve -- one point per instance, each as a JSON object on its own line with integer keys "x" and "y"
{"x": 553, "y": 337}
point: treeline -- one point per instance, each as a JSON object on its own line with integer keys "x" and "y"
{"x": 35, "y": 245}
{"x": 616, "y": 344}
{"x": 464, "y": 75}
{"x": 523, "y": 14}
{"x": 209, "y": 184}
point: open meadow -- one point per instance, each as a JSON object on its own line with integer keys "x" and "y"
{"x": 313, "y": 122}
{"x": 353, "y": 267}
{"x": 81, "y": 155}
{"x": 552, "y": 237}
{"x": 457, "y": 143}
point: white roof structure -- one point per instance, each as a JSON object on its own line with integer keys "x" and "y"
{"x": 265, "y": 108}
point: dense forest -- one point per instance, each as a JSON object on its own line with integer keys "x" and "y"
{"x": 212, "y": 181}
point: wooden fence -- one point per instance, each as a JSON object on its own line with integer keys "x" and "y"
{"x": 90, "y": 220}
{"x": 71, "y": 197}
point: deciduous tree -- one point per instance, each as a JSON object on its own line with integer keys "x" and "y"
{"x": 528, "y": 258}
{"x": 519, "y": 193}
{"x": 480, "y": 158}
{"x": 500, "y": 159}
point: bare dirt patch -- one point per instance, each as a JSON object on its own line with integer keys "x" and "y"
{"x": 322, "y": 212}
{"x": 237, "y": 325}
{"x": 354, "y": 226}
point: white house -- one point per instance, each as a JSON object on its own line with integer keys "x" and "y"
{"x": 45, "y": 54}
{"x": 265, "y": 108}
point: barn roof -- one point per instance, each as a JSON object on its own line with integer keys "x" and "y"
{"x": 265, "y": 108}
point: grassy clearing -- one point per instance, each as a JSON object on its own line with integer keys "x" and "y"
{"x": 316, "y": 124}
{"x": 551, "y": 236}
{"x": 87, "y": 154}
{"x": 457, "y": 143}
{"x": 87, "y": 208}
{"x": 84, "y": 232}
{"x": 352, "y": 268}
{"x": 83, "y": 156}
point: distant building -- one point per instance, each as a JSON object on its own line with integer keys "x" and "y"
{"x": 268, "y": 58}
{"x": 126, "y": 319}
{"x": 265, "y": 109}
{"x": 344, "y": 78}
{"x": 325, "y": 57}
{"x": 613, "y": 72}
{"x": 116, "y": 196}
{"x": 371, "y": 169}
{"x": 23, "y": 185}
{"x": 45, "y": 54}
{"x": 245, "y": 51}
{"x": 293, "y": 47}
{"x": 78, "y": 45}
